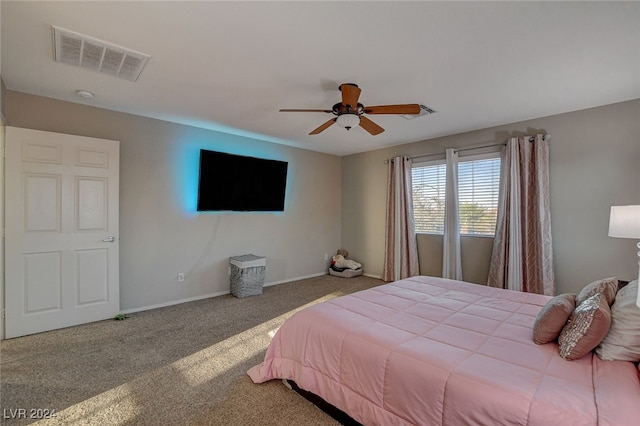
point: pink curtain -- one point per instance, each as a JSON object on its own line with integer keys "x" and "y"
{"x": 401, "y": 249}
{"x": 522, "y": 257}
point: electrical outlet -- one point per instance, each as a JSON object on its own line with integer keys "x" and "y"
{"x": 326, "y": 257}
{"x": 181, "y": 277}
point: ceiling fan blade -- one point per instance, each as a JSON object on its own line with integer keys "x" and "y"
{"x": 323, "y": 127}
{"x": 370, "y": 126}
{"x": 393, "y": 109}
{"x": 305, "y": 110}
{"x": 350, "y": 94}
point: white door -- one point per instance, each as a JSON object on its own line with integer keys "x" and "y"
{"x": 61, "y": 224}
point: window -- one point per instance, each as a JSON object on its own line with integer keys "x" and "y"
{"x": 429, "y": 183}
{"x": 478, "y": 186}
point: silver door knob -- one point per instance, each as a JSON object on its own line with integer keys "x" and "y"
{"x": 109, "y": 239}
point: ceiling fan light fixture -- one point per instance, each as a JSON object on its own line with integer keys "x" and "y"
{"x": 351, "y": 113}
{"x": 348, "y": 120}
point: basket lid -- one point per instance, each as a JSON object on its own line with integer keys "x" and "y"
{"x": 248, "y": 260}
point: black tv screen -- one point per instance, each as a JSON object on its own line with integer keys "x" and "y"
{"x": 230, "y": 182}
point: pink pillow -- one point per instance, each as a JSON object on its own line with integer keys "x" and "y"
{"x": 552, "y": 318}
{"x": 606, "y": 286}
{"x": 586, "y": 327}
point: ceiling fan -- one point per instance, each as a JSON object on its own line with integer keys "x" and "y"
{"x": 350, "y": 113}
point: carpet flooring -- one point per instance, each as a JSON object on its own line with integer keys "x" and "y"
{"x": 181, "y": 365}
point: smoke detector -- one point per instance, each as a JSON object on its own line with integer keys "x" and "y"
{"x": 85, "y": 94}
{"x": 97, "y": 55}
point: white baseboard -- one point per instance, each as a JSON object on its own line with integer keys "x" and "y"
{"x": 173, "y": 302}
{"x": 373, "y": 276}
{"x": 296, "y": 279}
{"x": 206, "y": 296}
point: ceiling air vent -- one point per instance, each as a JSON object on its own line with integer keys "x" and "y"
{"x": 93, "y": 54}
{"x": 424, "y": 110}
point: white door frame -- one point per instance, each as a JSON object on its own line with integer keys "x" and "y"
{"x": 2, "y": 133}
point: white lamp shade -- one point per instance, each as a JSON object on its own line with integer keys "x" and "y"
{"x": 348, "y": 120}
{"x": 624, "y": 222}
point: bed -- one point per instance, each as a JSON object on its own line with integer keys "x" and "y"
{"x": 433, "y": 351}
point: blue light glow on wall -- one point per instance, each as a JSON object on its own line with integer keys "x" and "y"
{"x": 186, "y": 158}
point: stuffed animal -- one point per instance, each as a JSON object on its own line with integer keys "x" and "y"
{"x": 343, "y": 253}
{"x": 340, "y": 262}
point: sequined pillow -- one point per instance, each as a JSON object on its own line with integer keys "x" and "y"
{"x": 586, "y": 327}
{"x": 552, "y": 318}
{"x": 608, "y": 287}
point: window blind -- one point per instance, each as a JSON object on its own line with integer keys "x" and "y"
{"x": 428, "y": 185}
{"x": 478, "y": 188}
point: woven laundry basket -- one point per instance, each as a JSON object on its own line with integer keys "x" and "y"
{"x": 247, "y": 275}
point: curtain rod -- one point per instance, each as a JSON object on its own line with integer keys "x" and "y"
{"x": 531, "y": 139}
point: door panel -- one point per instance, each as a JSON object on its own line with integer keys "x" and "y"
{"x": 43, "y": 289}
{"x": 92, "y": 270}
{"x": 42, "y": 202}
{"x": 61, "y": 210}
{"x": 91, "y": 208}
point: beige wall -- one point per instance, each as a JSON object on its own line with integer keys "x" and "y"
{"x": 594, "y": 158}
{"x": 594, "y": 164}
{"x": 161, "y": 234}
{"x": 474, "y": 251}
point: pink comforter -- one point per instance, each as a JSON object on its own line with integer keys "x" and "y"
{"x": 432, "y": 351}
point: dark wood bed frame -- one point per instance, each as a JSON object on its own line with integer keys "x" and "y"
{"x": 337, "y": 414}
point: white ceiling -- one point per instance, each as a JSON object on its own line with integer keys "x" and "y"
{"x": 231, "y": 66}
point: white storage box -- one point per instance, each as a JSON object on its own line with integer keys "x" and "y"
{"x": 247, "y": 275}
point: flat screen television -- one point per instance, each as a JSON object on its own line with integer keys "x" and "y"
{"x": 230, "y": 182}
